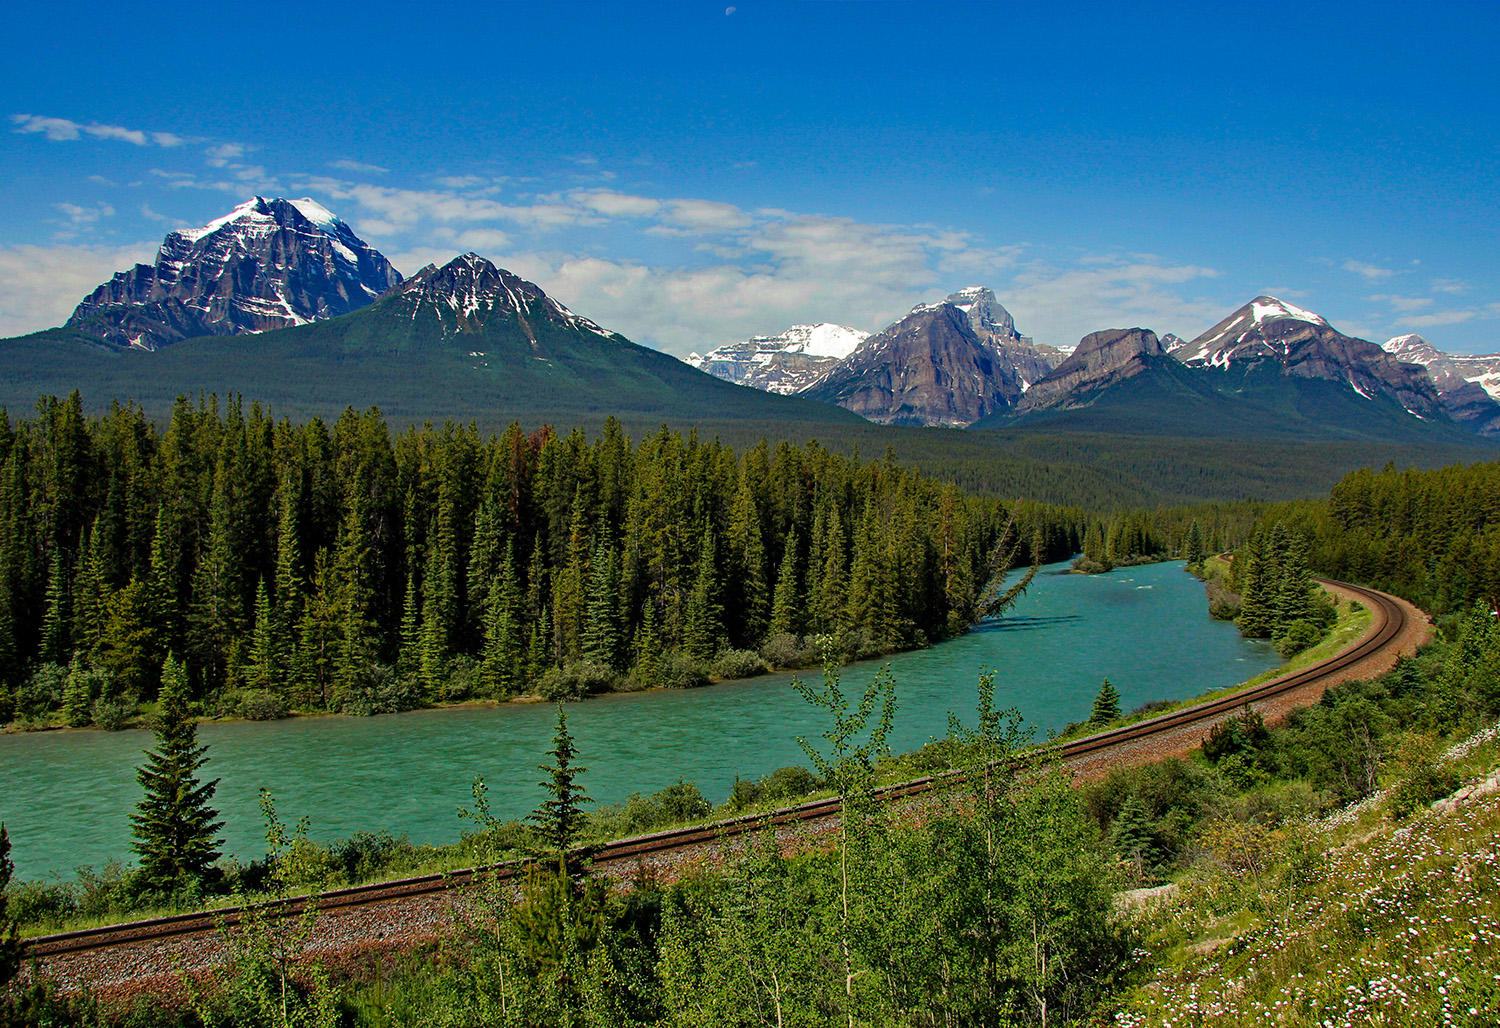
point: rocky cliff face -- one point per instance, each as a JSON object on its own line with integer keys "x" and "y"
{"x": 266, "y": 264}
{"x": 929, "y": 368}
{"x": 464, "y": 294}
{"x": 1268, "y": 330}
{"x": 785, "y": 363}
{"x": 1101, "y": 359}
{"x": 946, "y": 363}
{"x": 1020, "y": 360}
{"x": 1467, "y": 385}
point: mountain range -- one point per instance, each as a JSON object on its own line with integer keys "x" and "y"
{"x": 281, "y": 300}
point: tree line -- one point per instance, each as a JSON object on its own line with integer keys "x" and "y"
{"x": 336, "y": 567}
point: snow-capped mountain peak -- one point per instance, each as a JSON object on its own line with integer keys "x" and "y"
{"x": 267, "y": 264}
{"x": 473, "y": 288}
{"x": 782, "y": 363}
{"x": 1268, "y": 308}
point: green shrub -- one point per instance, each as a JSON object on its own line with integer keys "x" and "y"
{"x": 1299, "y": 635}
{"x": 789, "y": 651}
{"x": 739, "y": 664}
{"x": 113, "y": 713}
{"x": 380, "y": 689}
{"x": 261, "y": 705}
{"x": 680, "y": 671}
{"x": 576, "y": 680}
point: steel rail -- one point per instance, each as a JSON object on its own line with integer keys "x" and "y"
{"x": 1389, "y": 622}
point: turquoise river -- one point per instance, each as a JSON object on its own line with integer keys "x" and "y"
{"x": 67, "y": 796}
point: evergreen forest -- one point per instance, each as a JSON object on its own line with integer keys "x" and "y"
{"x": 337, "y": 568}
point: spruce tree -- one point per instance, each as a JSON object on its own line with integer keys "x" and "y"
{"x": 601, "y": 621}
{"x": 174, "y": 825}
{"x": 560, "y": 819}
{"x": 704, "y": 616}
{"x": 1106, "y": 705}
{"x": 1192, "y": 549}
{"x": 785, "y": 607}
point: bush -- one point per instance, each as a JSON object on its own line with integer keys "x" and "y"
{"x": 464, "y": 678}
{"x": 680, "y": 671}
{"x": 1420, "y": 777}
{"x": 575, "y": 681}
{"x": 113, "y": 713}
{"x": 380, "y": 689}
{"x": 786, "y": 650}
{"x": 364, "y": 855}
{"x": 261, "y": 705}
{"x": 783, "y": 785}
{"x": 1223, "y": 605}
{"x": 739, "y": 664}
{"x": 674, "y": 805}
{"x": 1299, "y": 635}
{"x": 42, "y": 691}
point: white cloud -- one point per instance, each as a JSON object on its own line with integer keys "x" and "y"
{"x": 1062, "y": 305}
{"x": 616, "y": 205}
{"x": 64, "y": 130}
{"x": 1369, "y": 271}
{"x": 705, "y": 215}
{"x": 1403, "y": 303}
{"x": 1439, "y": 318}
{"x": 359, "y": 167}
{"x": 1449, "y": 285}
{"x": 220, "y": 155}
{"x": 85, "y": 215}
{"x": 40, "y": 285}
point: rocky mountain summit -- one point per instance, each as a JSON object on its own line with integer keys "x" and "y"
{"x": 465, "y": 294}
{"x": 929, "y": 368}
{"x": 1100, "y": 360}
{"x": 267, "y": 264}
{"x": 1467, "y": 385}
{"x": 1267, "y": 332}
{"x": 785, "y": 363}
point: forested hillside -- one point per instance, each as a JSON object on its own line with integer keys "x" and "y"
{"x": 334, "y": 567}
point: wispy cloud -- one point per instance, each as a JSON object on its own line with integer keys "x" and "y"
{"x": 40, "y": 285}
{"x": 1369, "y": 271}
{"x": 65, "y": 130}
{"x": 1403, "y": 303}
{"x": 359, "y": 168}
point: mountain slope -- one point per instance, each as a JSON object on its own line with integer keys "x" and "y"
{"x": 266, "y": 264}
{"x": 1272, "y": 333}
{"x": 1468, "y": 386}
{"x": 464, "y": 341}
{"x": 948, "y": 363}
{"x": 784, "y": 363}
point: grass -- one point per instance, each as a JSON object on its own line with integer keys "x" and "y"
{"x": 1350, "y": 920}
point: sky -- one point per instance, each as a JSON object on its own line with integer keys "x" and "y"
{"x": 690, "y": 174}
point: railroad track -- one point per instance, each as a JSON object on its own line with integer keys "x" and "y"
{"x": 1389, "y": 621}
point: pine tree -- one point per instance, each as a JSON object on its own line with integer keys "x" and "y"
{"x": 560, "y": 818}
{"x": 1293, "y": 600}
{"x": 703, "y": 616}
{"x": 648, "y": 648}
{"x": 1257, "y": 618}
{"x": 1106, "y": 705}
{"x": 1192, "y": 549}
{"x": 601, "y": 621}
{"x": 56, "y": 643}
{"x": 76, "y": 696}
{"x": 785, "y": 607}
{"x": 1133, "y": 836}
{"x": 174, "y": 825}
{"x": 263, "y": 662}
{"x": 504, "y": 664}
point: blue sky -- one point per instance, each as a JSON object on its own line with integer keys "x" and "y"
{"x": 690, "y": 174}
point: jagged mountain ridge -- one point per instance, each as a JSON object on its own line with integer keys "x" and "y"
{"x": 784, "y": 363}
{"x": 469, "y": 290}
{"x": 946, "y": 363}
{"x": 1100, "y": 360}
{"x": 1267, "y": 331}
{"x": 267, "y": 264}
{"x": 1467, "y": 385}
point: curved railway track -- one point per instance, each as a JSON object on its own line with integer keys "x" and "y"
{"x": 1388, "y": 624}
